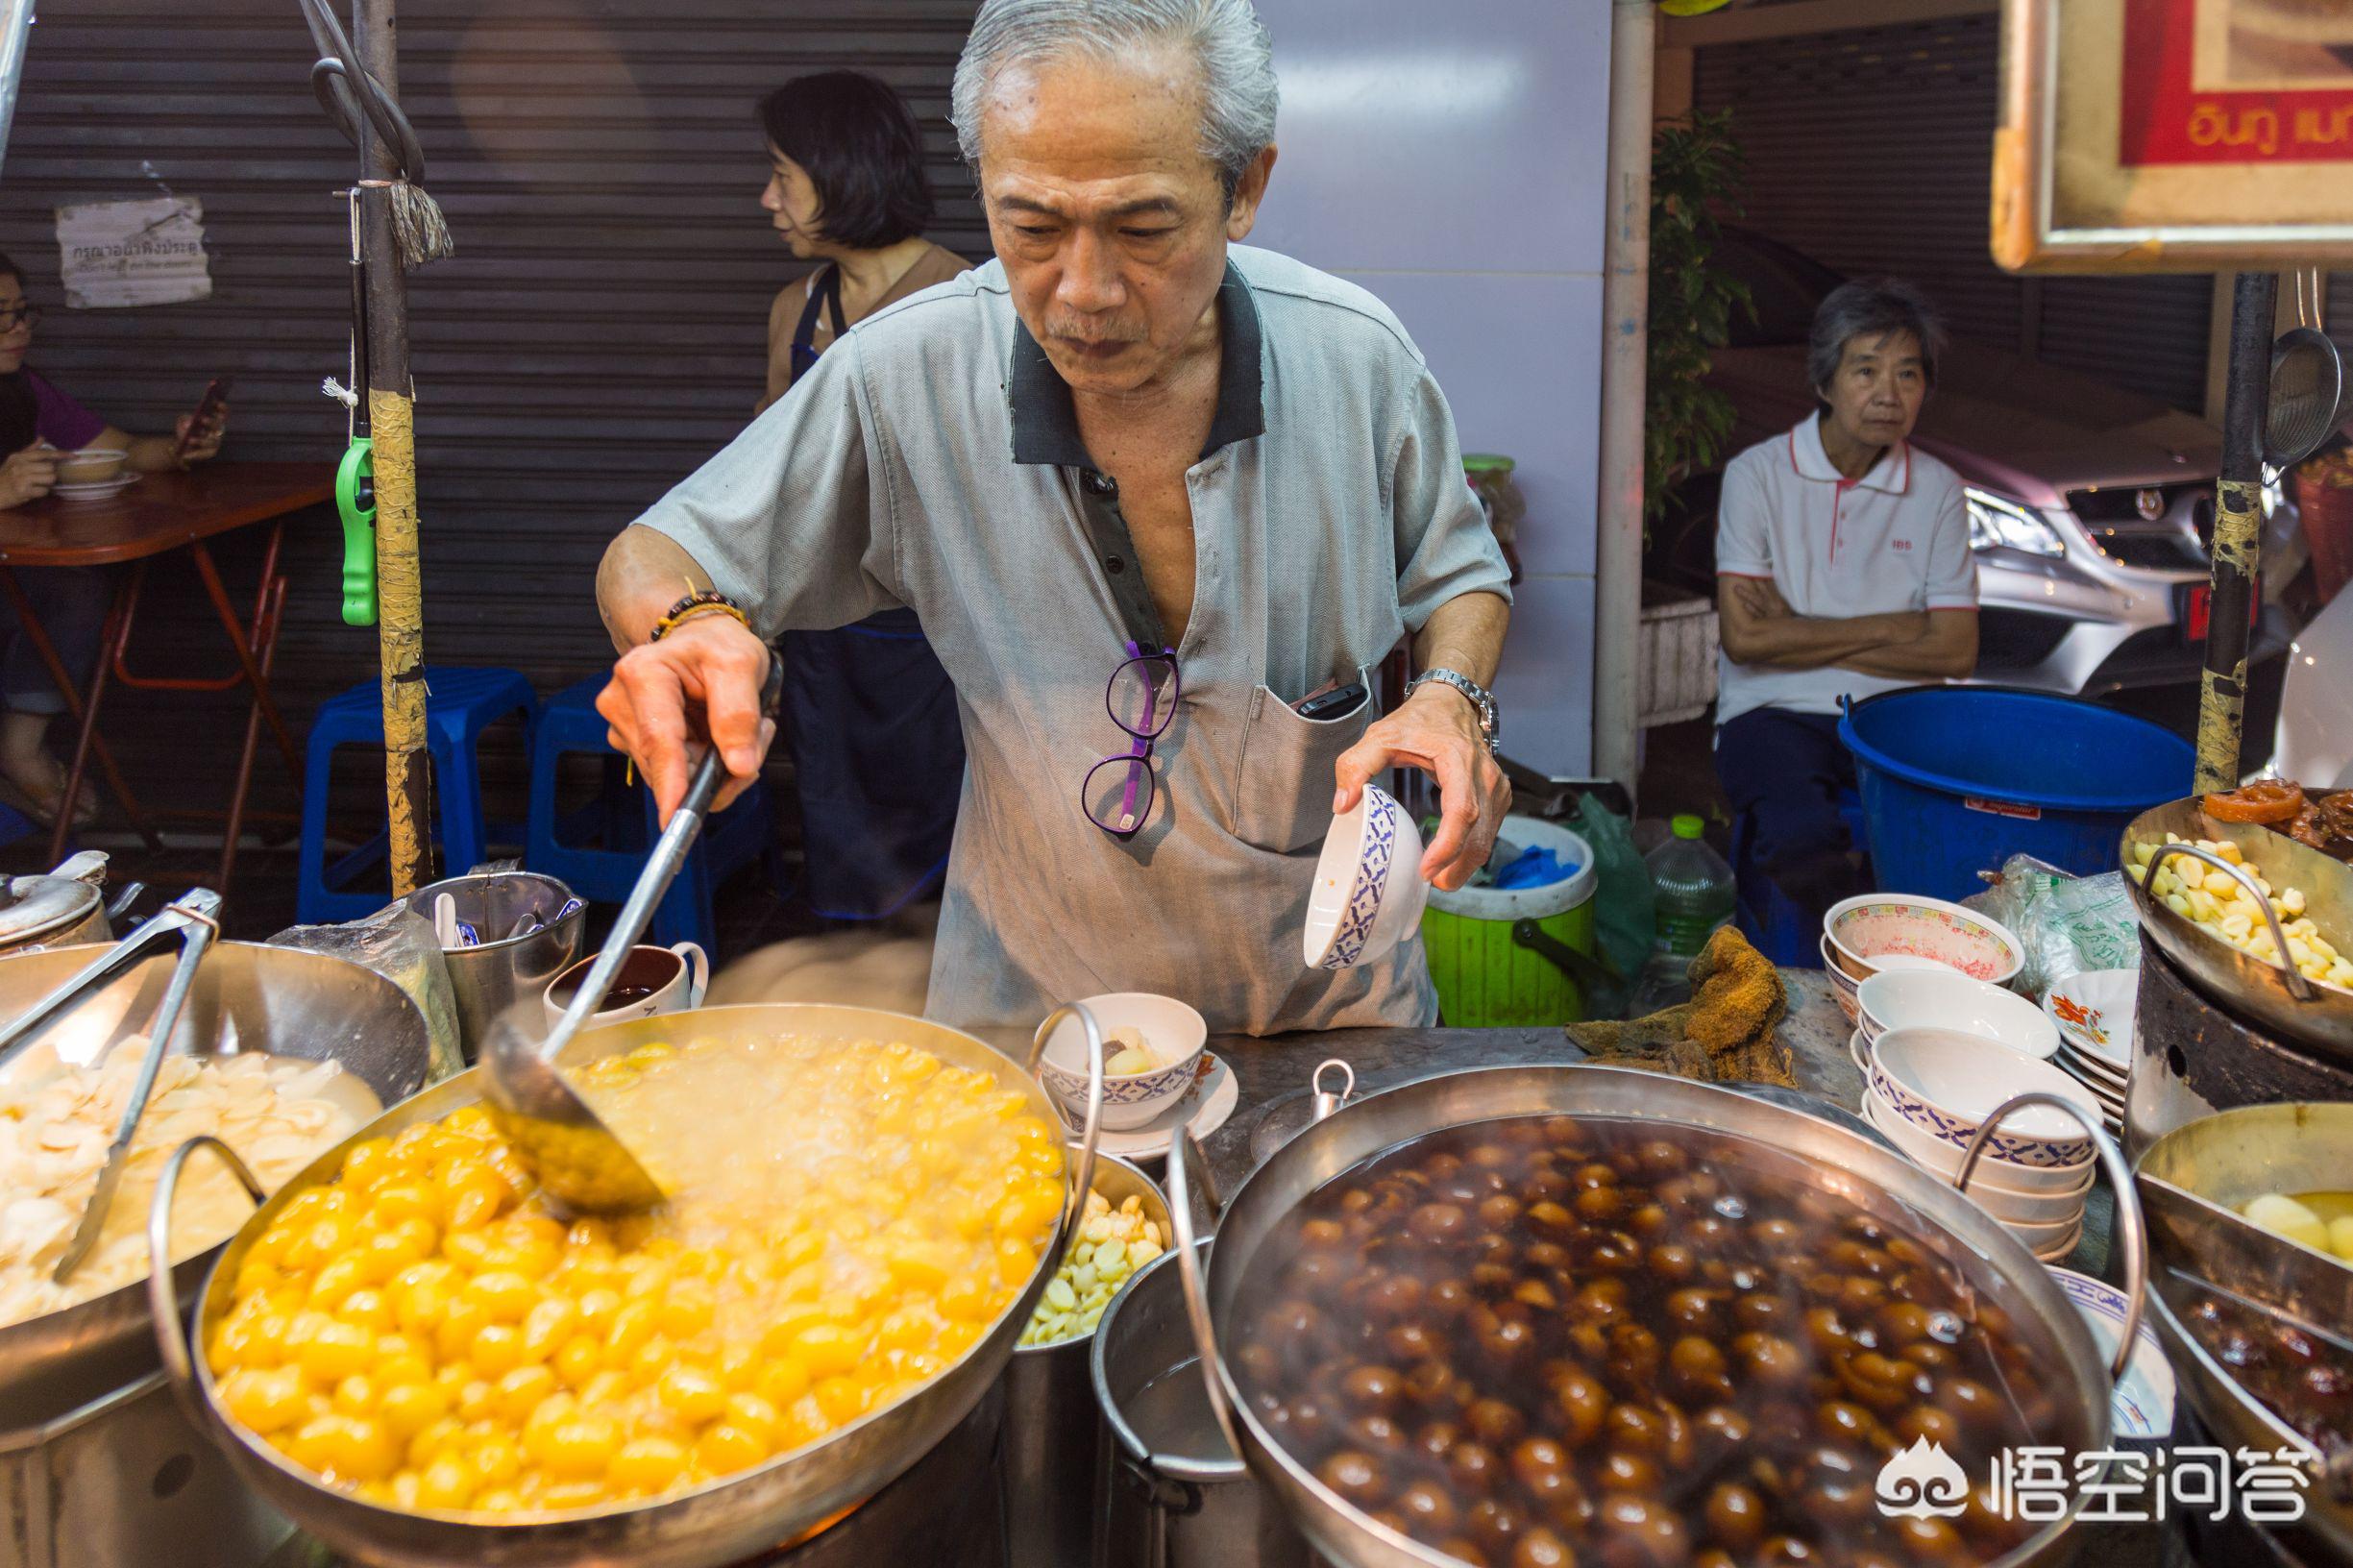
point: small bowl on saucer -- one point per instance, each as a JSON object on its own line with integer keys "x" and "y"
{"x": 1368, "y": 891}
{"x": 1173, "y": 1033}
{"x": 91, "y": 465}
{"x": 1933, "y": 998}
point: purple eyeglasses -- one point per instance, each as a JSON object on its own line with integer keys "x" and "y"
{"x": 1141, "y": 699}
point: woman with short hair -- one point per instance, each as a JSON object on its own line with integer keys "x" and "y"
{"x": 869, "y": 715}
{"x": 1843, "y": 570}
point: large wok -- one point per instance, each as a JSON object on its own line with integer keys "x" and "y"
{"x": 1871, "y": 1178}
{"x": 724, "y": 1521}
{"x": 2281, "y": 1000}
{"x": 247, "y": 997}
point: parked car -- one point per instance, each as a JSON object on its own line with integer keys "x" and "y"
{"x": 2090, "y": 508}
{"x": 2314, "y": 744}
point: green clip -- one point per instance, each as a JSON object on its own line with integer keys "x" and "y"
{"x": 359, "y": 533}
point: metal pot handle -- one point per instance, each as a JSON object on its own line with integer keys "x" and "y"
{"x": 1075, "y": 1212}
{"x": 2128, "y": 1223}
{"x": 2298, "y": 986}
{"x": 1182, "y": 1152}
{"x": 163, "y": 1301}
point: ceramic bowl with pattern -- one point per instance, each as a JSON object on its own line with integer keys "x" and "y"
{"x": 1993, "y": 1175}
{"x": 1843, "y": 985}
{"x": 1172, "y": 1032}
{"x": 1933, "y": 999}
{"x": 1897, "y": 931}
{"x": 1945, "y": 1082}
{"x": 1368, "y": 891}
{"x": 2095, "y": 1011}
{"x": 2144, "y": 1402}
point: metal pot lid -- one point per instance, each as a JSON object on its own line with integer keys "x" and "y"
{"x": 33, "y": 905}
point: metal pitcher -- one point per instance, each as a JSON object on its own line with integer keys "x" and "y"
{"x": 518, "y": 954}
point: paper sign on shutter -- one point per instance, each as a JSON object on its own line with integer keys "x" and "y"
{"x": 116, "y": 254}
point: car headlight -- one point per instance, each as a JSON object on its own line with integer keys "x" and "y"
{"x": 1996, "y": 522}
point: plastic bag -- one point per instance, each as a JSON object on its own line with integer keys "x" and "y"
{"x": 2066, "y": 924}
{"x": 1622, "y": 900}
{"x": 398, "y": 944}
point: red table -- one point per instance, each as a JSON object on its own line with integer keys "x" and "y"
{"x": 161, "y": 514}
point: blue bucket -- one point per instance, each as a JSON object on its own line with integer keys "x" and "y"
{"x": 1956, "y": 779}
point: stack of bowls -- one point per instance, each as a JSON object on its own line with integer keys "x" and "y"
{"x": 1887, "y": 932}
{"x": 2093, "y": 1014}
{"x": 1929, "y": 1089}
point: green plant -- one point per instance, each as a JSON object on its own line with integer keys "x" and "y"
{"x": 1696, "y": 170}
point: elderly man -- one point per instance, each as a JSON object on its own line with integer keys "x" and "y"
{"x": 1843, "y": 570}
{"x": 1148, "y": 493}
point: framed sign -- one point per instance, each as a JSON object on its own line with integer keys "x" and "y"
{"x": 2175, "y": 135}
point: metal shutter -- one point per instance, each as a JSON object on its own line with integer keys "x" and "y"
{"x": 601, "y": 331}
{"x": 1871, "y": 149}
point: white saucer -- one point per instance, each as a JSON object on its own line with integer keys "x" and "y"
{"x": 1206, "y": 1106}
{"x": 2143, "y": 1404}
{"x": 97, "y": 491}
{"x": 2094, "y": 1015}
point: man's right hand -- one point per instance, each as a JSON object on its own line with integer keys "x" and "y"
{"x": 700, "y": 683}
{"x": 28, "y": 475}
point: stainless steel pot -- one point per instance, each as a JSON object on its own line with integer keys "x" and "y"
{"x": 2193, "y": 1181}
{"x": 1053, "y": 1430}
{"x": 1171, "y": 1499}
{"x": 246, "y": 999}
{"x": 2274, "y": 995}
{"x": 1991, "y": 1262}
{"x": 499, "y": 971}
{"x": 719, "y": 1523}
{"x": 125, "y": 1479}
{"x": 61, "y": 909}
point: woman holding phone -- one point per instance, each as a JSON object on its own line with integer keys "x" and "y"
{"x": 871, "y": 717}
{"x": 39, "y": 425}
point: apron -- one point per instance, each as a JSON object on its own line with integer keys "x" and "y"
{"x": 876, "y": 742}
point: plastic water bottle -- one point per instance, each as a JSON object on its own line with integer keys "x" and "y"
{"x": 1693, "y": 895}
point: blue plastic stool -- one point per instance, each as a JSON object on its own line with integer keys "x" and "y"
{"x": 1768, "y": 916}
{"x": 599, "y": 851}
{"x": 460, "y": 702}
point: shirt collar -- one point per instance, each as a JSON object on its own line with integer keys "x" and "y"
{"x": 1890, "y": 473}
{"x": 1045, "y": 424}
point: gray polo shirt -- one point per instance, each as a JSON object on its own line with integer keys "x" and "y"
{"x": 932, "y": 459}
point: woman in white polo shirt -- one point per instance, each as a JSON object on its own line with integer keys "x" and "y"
{"x": 1842, "y": 569}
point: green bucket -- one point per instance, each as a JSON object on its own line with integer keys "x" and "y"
{"x": 1487, "y": 980}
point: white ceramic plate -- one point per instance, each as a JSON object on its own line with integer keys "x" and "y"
{"x": 2143, "y": 1401}
{"x": 1205, "y": 1106}
{"x": 2095, "y": 1014}
{"x": 2091, "y": 1069}
{"x": 97, "y": 491}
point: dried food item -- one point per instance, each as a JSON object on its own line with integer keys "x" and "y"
{"x": 1112, "y": 1245}
{"x": 848, "y": 1219}
{"x": 1723, "y": 1035}
{"x": 57, "y": 1122}
{"x": 1642, "y": 1344}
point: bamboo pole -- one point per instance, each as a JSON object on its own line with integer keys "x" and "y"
{"x": 391, "y": 422}
{"x": 2238, "y": 534}
{"x": 1626, "y": 292}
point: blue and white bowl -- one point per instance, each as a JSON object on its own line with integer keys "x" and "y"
{"x": 1175, "y": 1034}
{"x": 1945, "y": 1082}
{"x": 1369, "y": 892}
{"x": 2143, "y": 1404}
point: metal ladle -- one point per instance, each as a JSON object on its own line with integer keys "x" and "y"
{"x": 579, "y": 1160}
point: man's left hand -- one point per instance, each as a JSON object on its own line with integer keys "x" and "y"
{"x": 1437, "y": 730}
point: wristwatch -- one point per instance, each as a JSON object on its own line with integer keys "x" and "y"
{"x": 1490, "y": 724}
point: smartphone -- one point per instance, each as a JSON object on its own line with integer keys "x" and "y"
{"x": 216, "y": 391}
{"x": 1331, "y": 704}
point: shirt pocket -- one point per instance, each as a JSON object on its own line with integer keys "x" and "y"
{"x": 1282, "y": 784}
